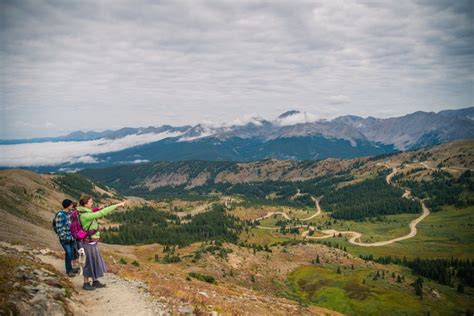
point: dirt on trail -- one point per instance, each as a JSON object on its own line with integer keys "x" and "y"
{"x": 120, "y": 297}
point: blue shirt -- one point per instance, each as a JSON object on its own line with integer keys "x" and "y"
{"x": 63, "y": 224}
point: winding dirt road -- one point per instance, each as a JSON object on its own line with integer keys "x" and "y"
{"x": 269, "y": 214}
{"x": 355, "y": 236}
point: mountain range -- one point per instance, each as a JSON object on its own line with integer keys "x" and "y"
{"x": 292, "y": 135}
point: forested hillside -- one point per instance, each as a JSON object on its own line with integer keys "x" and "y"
{"x": 443, "y": 189}
{"x": 76, "y": 185}
{"x": 369, "y": 198}
{"x": 147, "y": 225}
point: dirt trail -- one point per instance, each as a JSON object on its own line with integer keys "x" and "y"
{"x": 390, "y": 176}
{"x": 318, "y": 207}
{"x": 355, "y": 236}
{"x": 120, "y": 297}
{"x": 269, "y": 214}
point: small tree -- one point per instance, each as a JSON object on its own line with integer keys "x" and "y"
{"x": 419, "y": 287}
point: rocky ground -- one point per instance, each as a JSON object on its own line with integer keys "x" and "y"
{"x": 33, "y": 285}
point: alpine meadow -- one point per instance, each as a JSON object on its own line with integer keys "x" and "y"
{"x": 237, "y": 157}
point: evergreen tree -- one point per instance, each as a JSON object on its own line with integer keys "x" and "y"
{"x": 419, "y": 287}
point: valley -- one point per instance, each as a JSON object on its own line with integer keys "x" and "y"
{"x": 237, "y": 158}
{"x": 276, "y": 237}
{"x": 356, "y": 236}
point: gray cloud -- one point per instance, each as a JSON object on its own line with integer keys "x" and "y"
{"x": 107, "y": 64}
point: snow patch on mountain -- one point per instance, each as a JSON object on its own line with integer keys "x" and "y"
{"x": 197, "y": 132}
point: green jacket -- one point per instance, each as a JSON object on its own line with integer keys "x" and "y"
{"x": 89, "y": 219}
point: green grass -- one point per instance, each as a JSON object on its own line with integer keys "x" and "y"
{"x": 346, "y": 293}
{"x": 271, "y": 221}
{"x": 443, "y": 234}
{"x": 389, "y": 227}
{"x": 301, "y": 213}
{"x": 264, "y": 237}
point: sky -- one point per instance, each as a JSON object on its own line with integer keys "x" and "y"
{"x": 94, "y": 65}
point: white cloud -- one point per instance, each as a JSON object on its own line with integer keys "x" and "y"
{"x": 69, "y": 170}
{"x": 84, "y": 159}
{"x": 55, "y": 153}
{"x": 140, "y": 160}
{"x": 244, "y": 120}
{"x": 298, "y": 118}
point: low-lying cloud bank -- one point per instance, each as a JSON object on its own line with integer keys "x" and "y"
{"x": 56, "y": 153}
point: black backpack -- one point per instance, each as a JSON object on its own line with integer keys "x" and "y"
{"x": 54, "y": 222}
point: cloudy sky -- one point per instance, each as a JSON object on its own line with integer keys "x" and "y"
{"x": 92, "y": 65}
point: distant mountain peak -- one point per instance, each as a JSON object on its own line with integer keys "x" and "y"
{"x": 295, "y": 117}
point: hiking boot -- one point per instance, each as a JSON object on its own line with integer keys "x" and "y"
{"x": 71, "y": 274}
{"x": 97, "y": 284}
{"x": 76, "y": 270}
{"x": 88, "y": 287}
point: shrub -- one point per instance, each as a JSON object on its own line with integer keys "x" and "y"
{"x": 202, "y": 277}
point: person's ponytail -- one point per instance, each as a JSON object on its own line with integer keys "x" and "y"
{"x": 84, "y": 199}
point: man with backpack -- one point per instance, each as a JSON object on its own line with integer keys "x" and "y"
{"x": 61, "y": 225}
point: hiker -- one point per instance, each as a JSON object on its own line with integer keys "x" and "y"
{"x": 77, "y": 242}
{"x": 94, "y": 267}
{"x": 61, "y": 226}
{"x": 77, "y": 232}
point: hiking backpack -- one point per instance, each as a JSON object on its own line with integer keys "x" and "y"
{"x": 54, "y": 222}
{"x": 77, "y": 232}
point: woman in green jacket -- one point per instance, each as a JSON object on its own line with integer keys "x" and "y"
{"x": 94, "y": 267}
